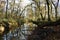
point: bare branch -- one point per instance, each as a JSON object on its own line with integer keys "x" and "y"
{"x": 25, "y": 8}
{"x": 56, "y": 3}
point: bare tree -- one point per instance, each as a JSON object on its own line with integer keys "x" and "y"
{"x": 37, "y": 3}
{"x": 56, "y": 6}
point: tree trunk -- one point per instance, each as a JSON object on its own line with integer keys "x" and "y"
{"x": 56, "y": 13}
{"x": 48, "y": 13}
{"x": 6, "y": 9}
{"x": 47, "y": 1}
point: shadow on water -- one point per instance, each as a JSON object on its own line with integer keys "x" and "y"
{"x": 46, "y": 31}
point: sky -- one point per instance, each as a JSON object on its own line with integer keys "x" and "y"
{"x": 59, "y": 2}
{"x": 25, "y": 2}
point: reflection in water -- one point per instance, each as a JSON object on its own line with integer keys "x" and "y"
{"x": 20, "y": 33}
{"x": 12, "y": 35}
